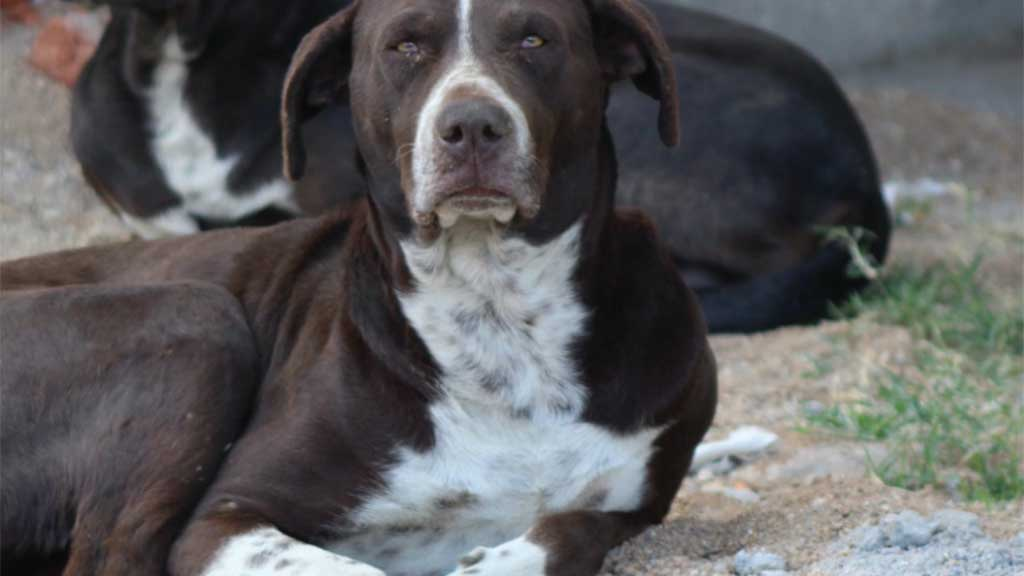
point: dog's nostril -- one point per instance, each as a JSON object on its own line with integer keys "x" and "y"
{"x": 490, "y": 134}
{"x": 453, "y": 135}
{"x": 473, "y": 125}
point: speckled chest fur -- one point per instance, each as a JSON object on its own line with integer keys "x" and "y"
{"x": 500, "y": 317}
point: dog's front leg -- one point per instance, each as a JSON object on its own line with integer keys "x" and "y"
{"x": 569, "y": 544}
{"x": 266, "y": 551}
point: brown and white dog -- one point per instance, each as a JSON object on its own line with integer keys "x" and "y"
{"x": 484, "y": 369}
{"x": 175, "y": 122}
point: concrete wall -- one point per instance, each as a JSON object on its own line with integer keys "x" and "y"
{"x": 848, "y": 33}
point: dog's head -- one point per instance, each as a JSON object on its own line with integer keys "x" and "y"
{"x": 261, "y": 29}
{"x": 146, "y": 24}
{"x": 482, "y": 109}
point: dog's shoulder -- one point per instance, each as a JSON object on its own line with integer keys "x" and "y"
{"x": 647, "y": 339}
{"x": 638, "y": 268}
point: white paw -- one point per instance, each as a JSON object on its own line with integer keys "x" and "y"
{"x": 518, "y": 557}
{"x": 268, "y": 552}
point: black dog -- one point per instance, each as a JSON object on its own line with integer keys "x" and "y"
{"x": 484, "y": 370}
{"x": 174, "y": 123}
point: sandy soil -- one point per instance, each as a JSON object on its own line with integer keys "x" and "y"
{"x": 809, "y": 490}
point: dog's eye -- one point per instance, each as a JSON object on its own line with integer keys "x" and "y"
{"x": 532, "y": 41}
{"x": 407, "y": 48}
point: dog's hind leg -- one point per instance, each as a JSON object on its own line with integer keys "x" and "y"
{"x": 119, "y": 406}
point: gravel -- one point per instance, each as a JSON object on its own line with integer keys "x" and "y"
{"x": 949, "y": 543}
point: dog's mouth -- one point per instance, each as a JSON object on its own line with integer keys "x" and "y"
{"x": 476, "y": 203}
{"x": 500, "y": 199}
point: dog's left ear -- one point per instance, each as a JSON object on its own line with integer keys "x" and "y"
{"x": 195, "y": 20}
{"x": 317, "y": 77}
{"x": 630, "y": 45}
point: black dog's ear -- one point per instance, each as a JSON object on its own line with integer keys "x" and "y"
{"x": 143, "y": 37}
{"x": 145, "y": 25}
{"x": 631, "y": 46}
{"x": 317, "y": 77}
{"x": 195, "y": 21}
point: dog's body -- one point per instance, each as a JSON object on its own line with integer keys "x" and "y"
{"x": 481, "y": 362}
{"x": 773, "y": 152}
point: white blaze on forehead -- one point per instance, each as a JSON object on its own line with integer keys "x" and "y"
{"x": 465, "y": 26}
{"x": 465, "y": 71}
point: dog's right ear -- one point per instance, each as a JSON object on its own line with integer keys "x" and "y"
{"x": 317, "y": 77}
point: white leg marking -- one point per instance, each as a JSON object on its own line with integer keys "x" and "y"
{"x": 519, "y": 557}
{"x": 465, "y": 71}
{"x": 268, "y": 552}
{"x": 170, "y": 222}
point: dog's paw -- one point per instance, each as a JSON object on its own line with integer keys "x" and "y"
{"x": 518, "y": 557}
{"x": 268, "y": 552}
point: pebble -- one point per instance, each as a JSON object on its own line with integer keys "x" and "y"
{"x": 907, "y": 530}
{"x": 758, "y": 563}
{"x": 813, "y": 408}
{"x": 737, "y": 491}
{"x": 957, "y": 520}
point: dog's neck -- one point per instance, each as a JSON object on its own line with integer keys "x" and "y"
{"x": 499, "y": 316}
{"x": 484, "y": 300}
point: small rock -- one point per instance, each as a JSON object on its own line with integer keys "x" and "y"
{"x": 744, "y": 443}
{"x": 757, "y": 563}
{"x": 813, "y": 408}
{"x": 957, "y": 520}
{"x": 737, "y": 491}
{"x": 907, "y": 530}
{"x": 723, "y": 466}
{"x": 871, "y": 539}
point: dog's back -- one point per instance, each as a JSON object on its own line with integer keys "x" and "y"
{"x": 772, "y": 154}
{"x": 85, "y": 436}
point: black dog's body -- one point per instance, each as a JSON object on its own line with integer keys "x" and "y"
{"x": 233, "y": 93}
{"x": 772, "y": 153}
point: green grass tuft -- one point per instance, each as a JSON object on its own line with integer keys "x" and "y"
{"x": 945, "y": 305}
{"x": 955, "y": 417}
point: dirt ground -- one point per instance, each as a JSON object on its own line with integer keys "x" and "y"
{"x": 807, "y": 491}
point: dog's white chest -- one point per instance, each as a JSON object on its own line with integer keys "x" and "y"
{"x": 500, "y": 320}
{"x": 188, "y": 157}
{"x": 488, "y": 478}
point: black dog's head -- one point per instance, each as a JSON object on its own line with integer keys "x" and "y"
{"x": 211, "y": 29}
{"x": 483, "y": 109}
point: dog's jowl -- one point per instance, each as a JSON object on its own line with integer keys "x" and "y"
{"x": 482, "y": 369}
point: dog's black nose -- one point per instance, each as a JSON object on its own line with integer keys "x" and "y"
{"x": 474, "y": 125}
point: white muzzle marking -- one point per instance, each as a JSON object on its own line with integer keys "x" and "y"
{"x": 464, "y": 73}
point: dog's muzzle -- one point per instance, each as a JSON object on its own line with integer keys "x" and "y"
{"x": 479, "y": 167}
